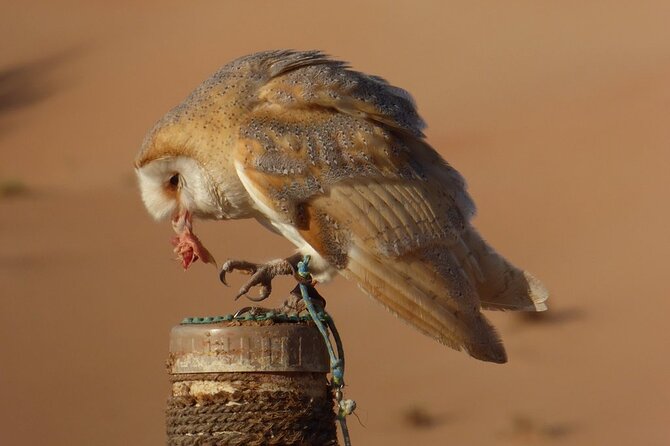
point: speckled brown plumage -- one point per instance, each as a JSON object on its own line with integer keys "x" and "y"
{"x": 336, "y": 161}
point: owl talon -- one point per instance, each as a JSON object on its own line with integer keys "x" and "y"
{"x": 241, "y": 265}
{"x": 261, "y": 275}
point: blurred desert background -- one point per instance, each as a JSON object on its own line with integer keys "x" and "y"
{"x": 557, "y": 113}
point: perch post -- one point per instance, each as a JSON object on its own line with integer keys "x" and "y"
{"x": 250, "y": 380}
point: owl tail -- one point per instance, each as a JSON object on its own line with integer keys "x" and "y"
{"x": 499, "y": 284}
{"x": 429, "y": 291}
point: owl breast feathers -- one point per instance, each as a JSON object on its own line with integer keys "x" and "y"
{"x": 336, "y": 161}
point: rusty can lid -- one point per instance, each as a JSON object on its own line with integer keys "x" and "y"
{"x": 247, "y": 347}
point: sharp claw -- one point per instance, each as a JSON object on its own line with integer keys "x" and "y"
{"x": 241, "y": 311}
{"x": 261, "y": 296}
{"x": 222, "y": 276}
{"x": 244, "y": 290}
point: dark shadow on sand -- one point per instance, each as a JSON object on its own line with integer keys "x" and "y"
{"x": 27, "y": 84}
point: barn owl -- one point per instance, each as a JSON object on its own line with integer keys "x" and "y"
{"x": 335, "y": 161}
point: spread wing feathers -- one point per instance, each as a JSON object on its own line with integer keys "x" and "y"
{"x": 338, "y": 156}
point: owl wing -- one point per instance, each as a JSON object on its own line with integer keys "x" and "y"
{"x": 338, "y": 158}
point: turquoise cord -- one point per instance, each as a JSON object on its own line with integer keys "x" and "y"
{"x": 345, "y": 407}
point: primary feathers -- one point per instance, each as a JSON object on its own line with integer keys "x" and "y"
{"x": 336, "y": 161}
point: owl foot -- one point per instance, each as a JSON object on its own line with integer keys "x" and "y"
{"x": 261, "y": 274}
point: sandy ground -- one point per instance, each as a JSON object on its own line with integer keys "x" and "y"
{"x": 556, "y": 114}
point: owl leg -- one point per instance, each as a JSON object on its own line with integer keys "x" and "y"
{"x": 261, "y": 274}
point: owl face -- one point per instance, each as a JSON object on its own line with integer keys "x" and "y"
{"x": 172, "y": 186}
{"x": 179, "y": 188}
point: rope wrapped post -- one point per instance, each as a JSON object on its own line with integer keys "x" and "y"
{"x": 250, "y": 380}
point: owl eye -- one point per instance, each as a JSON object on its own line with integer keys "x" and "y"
{"x": 174, "y": 180}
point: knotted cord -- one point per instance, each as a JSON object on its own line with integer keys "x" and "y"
{"x": 345, "y": 406}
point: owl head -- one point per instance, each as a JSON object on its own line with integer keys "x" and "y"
{"x": 172, "y": 185}
{"x": 176, "y": 184}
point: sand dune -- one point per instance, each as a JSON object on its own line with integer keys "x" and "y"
{"x": 556, "y": 114}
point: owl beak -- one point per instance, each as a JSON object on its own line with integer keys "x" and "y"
{"x": 187, "y": 245}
